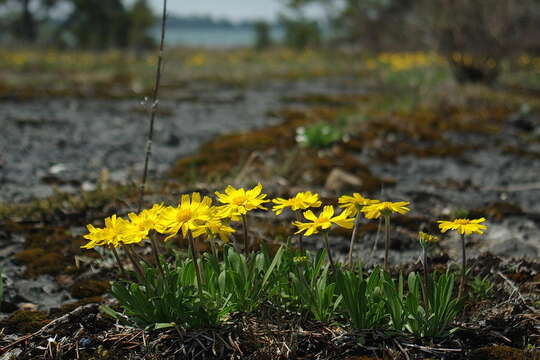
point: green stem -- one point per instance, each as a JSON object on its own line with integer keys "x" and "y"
{"x": 300, "y": 235}
{"x": 463, "y": 267}
{"x": 138, "y": 269}
{"x": 122, "y": 270}
{"x": 353, "y": 237}
{"x": 332, "y": 264}
{"x": 425, "y": 277}
{"x": 245, "y": 227}
{"x": 155, "y": 252}
{"x": 195, "y": 264}
{"x": 386, "y": 240}
{"x": 212, "y": 244}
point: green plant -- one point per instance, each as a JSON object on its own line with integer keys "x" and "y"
{"x": 248, "y": 281}
{"x": 362, "y": 300}
{"x": 422, "y": 320}
{"x": 319, "y": 135}
{"x": 313, "y": 289}
{"x": 164, "y": 298}
{"x": 481, "y": 287}
{"x": 395, "y": 301}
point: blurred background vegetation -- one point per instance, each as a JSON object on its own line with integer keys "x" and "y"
{"x": 473, "y": 36}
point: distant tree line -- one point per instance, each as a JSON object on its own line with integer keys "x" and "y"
{"x": 474, "y": 34}
{"x": 96, "y": 24}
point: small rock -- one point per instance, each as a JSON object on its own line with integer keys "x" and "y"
{"x": 88, "y": 186}
{"x": 57, "y": 169}
{"x": 28, "y": 307}
{"x": 85, "y": 342}
{"x": 338, "y": 178}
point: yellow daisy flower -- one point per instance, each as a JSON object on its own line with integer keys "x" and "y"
{"x": 375, "y": 211}
{"x": 323, "y": 221}
{"x": 240, "y": 202}
{"x": 463, "y": 226}
{"x": 301, "y": 201}
{"x": 216, "y": 227}
{"x": 141, "y": 224}
{"x": 355, "y": 202}
{"x": 300, "y": 259}
{"x": 113, "y": 234}
{"x": 427, "y": 238}
{"x": 192, "y": 213}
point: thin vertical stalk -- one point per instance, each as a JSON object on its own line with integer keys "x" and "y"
{"x": 195, "y": 264}
{"x": 463, "y": 267}
{"x": 377, "y": 235}
{"x": 155, "y": 252}
{"x": 332, "y": 264}
{"x": 386, "y": 240}
{"x": 353, "y": 237}
{"x": 300, "y": 235}
{"x": 153, "y": 106}
{"x": 245, "y": 227}
{"x": 138, "y": 269}
{"x": 122, "y": 270}
{"x": 212, "y": 244}
{"x": 425, "y": 277}
{"x": 153, "y": 112}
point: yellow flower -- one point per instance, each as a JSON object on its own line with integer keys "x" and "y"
{"x": 323, "y": 221}
{"x": 427, "y": 238}
{"x": 463, "y": 226}
{"x": 384, "y": 208}
{"x": 216, "y": 227}
{"x": 189, "y": 215}
{"x": 239, "y": 201}
{"x": 354, "y": 203}
{"x": 113, "y": 234}
{"x": 141, "y": 224}
{"x": 301, "y": 201}
{"x": 300, "y": 259}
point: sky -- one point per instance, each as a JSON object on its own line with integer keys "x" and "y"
{"x": 232, "y": 9}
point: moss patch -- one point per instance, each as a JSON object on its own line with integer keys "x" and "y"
{"x": 221, "y": 156}
{"x": 89, "y": 288}
{"x": 50, "y": 250}
{"x": 497, "y": 352}
{"x": 497, "y": 211}
{"x": 24, "y": 322}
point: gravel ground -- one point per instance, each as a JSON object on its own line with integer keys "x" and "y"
{"x": 65, "y": 144}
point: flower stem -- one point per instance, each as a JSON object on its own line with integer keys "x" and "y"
{"x": 332, "y": 264}
{"x": 195, "y": 264}
{"x": 353, "y": 237}
{"x": 138, "y": 269}
{"x": 463, "y": 267}
{"x": 245, "y": 227}
{"x": 155, "y": 252}
{"x": 122, "y": 270}
{"x": 300, "y": 235}
{"x": 386, "y": 240}
{"x": 425, "y": 277}
{"x": 212, "y": 244}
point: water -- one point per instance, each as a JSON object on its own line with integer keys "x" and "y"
{"x": 213, "y": 37}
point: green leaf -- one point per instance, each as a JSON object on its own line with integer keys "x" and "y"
{"x": 107, "y": 310}
{"x": 164, "y": 325}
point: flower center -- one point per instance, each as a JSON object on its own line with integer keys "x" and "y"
{"x": 183, "y": 215}
{"x": 296, "y": 203}
{"x": 461, "y": 221}
{"x": 146, "y": 224}
{"x": 321, "y": 220}
{"x": 239, "y": 200}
